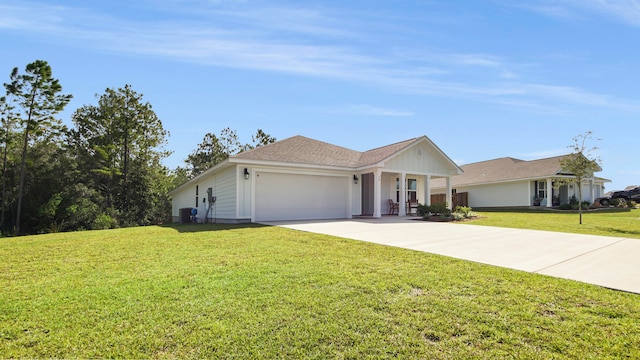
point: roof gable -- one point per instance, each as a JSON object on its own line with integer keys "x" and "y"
{"x": 380, "y": 154}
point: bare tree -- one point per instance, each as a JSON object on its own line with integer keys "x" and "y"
{"x": 581, "y": 163}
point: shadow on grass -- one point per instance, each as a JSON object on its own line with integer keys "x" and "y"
{"x": 619, "y": 231}
{"x": 189, "y": 228}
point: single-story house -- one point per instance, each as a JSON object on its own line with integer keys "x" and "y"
{"x": 301, "y": 178}
{"x": 506, "y": 182}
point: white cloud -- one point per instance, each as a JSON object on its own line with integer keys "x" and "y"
{"x": 309, "y": 44}
{"x": 626, "y": 11}
{"x": 475, "y": 60}
{"x": 506, "y": 74}
{"x": 363, "y": 109}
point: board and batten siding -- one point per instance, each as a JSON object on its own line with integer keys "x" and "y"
{"x": 419, "y": 160}
{"x": 225, "y": 193}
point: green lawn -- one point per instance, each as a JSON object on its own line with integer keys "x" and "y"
{"x": 620, "y": 224}
{"x": 207, "y": 291}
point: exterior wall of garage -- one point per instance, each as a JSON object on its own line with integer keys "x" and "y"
{"x": 223, "y": 187}
{"x": 225, "y": 191}
{"x": 184, "y": 199}
{"x": 288, "y": 194}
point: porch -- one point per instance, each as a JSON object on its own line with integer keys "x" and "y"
{"x": 398, "y": 193}
{"x": 551, "y": 192}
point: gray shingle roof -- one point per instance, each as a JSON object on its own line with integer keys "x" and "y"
{"x": 505, "y": 169}
{"x": 303, "y": 150}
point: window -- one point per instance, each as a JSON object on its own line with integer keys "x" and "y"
{"x": 196, "y": 195}
{"x": 412, "y": 190}
{"x": 542, "y": 190}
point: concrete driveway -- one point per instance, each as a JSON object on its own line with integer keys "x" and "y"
{"x": 606, "y": 261}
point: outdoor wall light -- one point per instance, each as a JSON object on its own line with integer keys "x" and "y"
{"x": 246, "y": 174}
{"x": 355, "y": 179}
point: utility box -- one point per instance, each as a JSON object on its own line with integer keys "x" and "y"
{"x": 185, "y": 215}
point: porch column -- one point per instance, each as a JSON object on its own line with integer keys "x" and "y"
{"x": 402, "y": 201}
{"x": 377, "y": 186}
{"x": 427, "y": 190}
{"x": 549, "y": 193}
{"x": 593, "y": 190}
{"x": 449, "y": 190}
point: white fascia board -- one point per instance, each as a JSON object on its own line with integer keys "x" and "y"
{"x": 371, "y": 167}
{"x": 215, "y": 168}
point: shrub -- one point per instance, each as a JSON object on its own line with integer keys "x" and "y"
{"x": 620, "y": 202}
{"x": 439, "y": 209}
{"x": 565, "y": 207}
{"x": 458, "y": 216}
{"x": 466, "y": 211}
{"x": 422, "y": 210}
{"x": 103, "y": 222}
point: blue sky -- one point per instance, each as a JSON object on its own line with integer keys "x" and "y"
{"x": 482, "y": 79}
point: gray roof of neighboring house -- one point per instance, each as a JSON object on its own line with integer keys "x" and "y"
{"x": 303, "y": 150}
{"x": 505, "y": 169}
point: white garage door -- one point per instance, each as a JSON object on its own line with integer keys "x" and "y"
{"x": 300, "y": 197}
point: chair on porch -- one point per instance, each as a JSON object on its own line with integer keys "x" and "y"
{"x": 393, "y": 207}
{"x": 412, "y": 204}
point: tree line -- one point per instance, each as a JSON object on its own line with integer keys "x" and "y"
{"x": 104, "y": 172}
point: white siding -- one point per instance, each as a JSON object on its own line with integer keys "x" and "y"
{"x": 244, "y": 192}
{"x": 497, "y": 195}
{"x": 420, "y": 160}
{"x": 223, "y": 185}
{"x": 225, "y": 192}
{"x": 184, "y": 199}
{"x": 388, "y": 188}
{"x": 356, "y": 197}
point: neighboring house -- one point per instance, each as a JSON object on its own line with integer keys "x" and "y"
{"x": 300, "y": 178}
{"x": 508, "y": 182}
